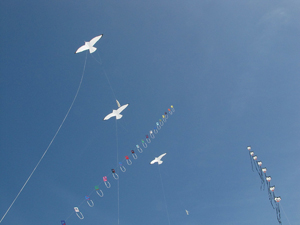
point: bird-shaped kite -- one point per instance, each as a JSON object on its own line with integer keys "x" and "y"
{"x": 117, "y": 112}
{"x": 89, "y": 45}
{"x": 158, "y": 159}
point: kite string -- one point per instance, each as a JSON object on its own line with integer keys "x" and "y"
{"x": 105, "y": 74}
{"x": 285, "y": 214}
{"x": 118, "y": 172}
{"x": 49, "y": 144}
{"x": 164, "y": 194}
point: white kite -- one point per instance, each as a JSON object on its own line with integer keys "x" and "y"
{"x": 158, "y": 159}
{"x": 89, "y": 45}
{"x": 116, "y": 113}
{"x": 187, "y": 212}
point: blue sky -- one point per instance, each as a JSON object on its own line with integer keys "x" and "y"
{"x": 231, "y": 70}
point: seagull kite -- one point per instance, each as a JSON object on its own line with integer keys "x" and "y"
{"x": 117, "y": 112}
{"x": 89, "y": 45}
{"x": 158, "y": 159}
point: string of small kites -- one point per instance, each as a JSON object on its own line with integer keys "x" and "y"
{"x": 145, "y": 143}
{"x": 265, "y": 181}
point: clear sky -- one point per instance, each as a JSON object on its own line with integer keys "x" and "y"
{"x": 231, "y": 70}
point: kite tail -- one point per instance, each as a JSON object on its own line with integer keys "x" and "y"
{"x": 278, "y": 214}
{"x": 262, "y": 183}
{"x": 251, "y": 162}
{"x": 271, "y": 197}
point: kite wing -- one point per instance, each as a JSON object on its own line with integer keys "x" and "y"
{"x": 153, "y": 161}
{"x": 122, "y": 108}
{"x": 109, "y": 116}
{"x": 159, "y": 157}
{"x": 82, "y": 48}
{"x": 95, "y": 39}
